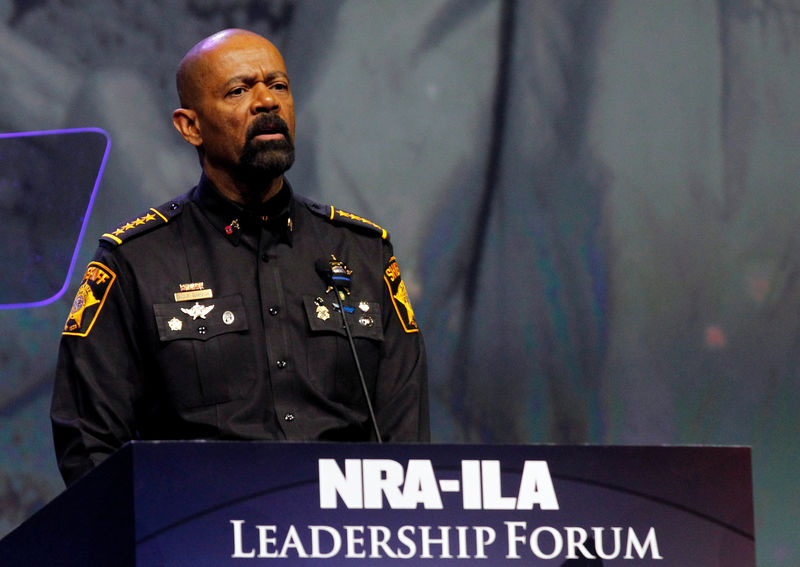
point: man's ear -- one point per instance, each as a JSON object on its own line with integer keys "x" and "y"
{"x": 185, "y": 122}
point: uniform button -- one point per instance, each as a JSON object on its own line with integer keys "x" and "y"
{"x": 173, "y": 206}
{"x": 281, "y": 364}
{"x": 202, "y": 329}
{"x": 288, "y": 417}
{"x": 273, "y": 310}
{"x": 265, "y": 257}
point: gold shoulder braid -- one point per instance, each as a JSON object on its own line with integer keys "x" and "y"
{"x": 153, "y": 218}
{"x": 337, "y": 215}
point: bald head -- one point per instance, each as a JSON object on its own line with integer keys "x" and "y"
{"x": 195, "y": 66}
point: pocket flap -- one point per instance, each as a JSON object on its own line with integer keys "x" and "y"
{"x": 200, "y": 320}
{"x": 363, "y": 317}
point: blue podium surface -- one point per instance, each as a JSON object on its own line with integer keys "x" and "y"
{"x": 328, "y": 504}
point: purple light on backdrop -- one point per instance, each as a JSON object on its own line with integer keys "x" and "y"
{"x": 85, "y": 219}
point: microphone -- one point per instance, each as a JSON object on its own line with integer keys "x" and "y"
{"x": 337, "y": 276}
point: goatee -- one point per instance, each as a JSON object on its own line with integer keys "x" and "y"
{"x": 264, "y": 160}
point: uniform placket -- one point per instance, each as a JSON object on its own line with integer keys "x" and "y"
{"x": 273, "y": 312}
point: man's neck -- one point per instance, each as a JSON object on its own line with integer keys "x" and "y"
{"x": 245, "y": 192}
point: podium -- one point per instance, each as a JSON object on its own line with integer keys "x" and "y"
{"x": 220, "y": 504}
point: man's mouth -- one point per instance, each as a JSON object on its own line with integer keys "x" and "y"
{"x": 269, "y": 128}
{"x": 264, "y": 136}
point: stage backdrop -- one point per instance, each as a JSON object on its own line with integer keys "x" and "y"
{"x": 595, "y": 204}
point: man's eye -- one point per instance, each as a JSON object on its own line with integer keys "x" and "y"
{"x": 280, "y": 86}
{"x": 236, "y": 92}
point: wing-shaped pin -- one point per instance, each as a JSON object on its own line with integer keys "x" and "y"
{"x": 198, "y": 310}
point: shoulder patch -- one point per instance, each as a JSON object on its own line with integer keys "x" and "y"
{"x": 332, "y": 213}
{"x": 89, "y": 300}
{"x": 399, "y": 294}
{"x": 153, "y": 218}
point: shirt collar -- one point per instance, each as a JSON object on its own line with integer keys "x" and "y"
{"x": 232, "y": 219}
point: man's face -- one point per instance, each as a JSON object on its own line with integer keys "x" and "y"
{"x": 245, "y": 110}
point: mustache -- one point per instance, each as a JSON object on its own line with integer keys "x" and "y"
{"x": 267, "y": 124}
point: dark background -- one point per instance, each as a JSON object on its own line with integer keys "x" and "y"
{"x": 594, "y": 203}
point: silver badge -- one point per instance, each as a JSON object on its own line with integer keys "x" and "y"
{"x": 364, "y": 306}
{"x": 366, "y": 321}
{"x": 198, "y": 310}
{"x": 175, "y": 324}
{"x": 323, "y": 313}
{"x": 228, "y": 318}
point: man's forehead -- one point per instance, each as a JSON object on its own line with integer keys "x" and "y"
{"x": 242, "y": 57}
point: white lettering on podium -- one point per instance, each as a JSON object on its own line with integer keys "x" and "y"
{"x": 439, "y": 542}
{"x": 372, "y": 483}
{"x": 238, "y": 552}
{"x": 360, "y": 542}
{"x": 546, "y": 542}
{"x": 649, "y": 542}
{"x": 316, "y": 545}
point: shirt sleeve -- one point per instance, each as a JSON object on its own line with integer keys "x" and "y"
{"x": 96, "y": 375}
{"x": 401, "y": 400}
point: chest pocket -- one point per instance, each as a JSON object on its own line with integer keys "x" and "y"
{"x": 204, "y": 350}
{"x": 330, "y": 366}
{"x": 363, "y": 318}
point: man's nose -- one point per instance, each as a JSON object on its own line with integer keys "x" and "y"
{"x": 264, "y": 100}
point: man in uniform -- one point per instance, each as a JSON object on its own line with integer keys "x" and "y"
{"x": 216, "y": 315}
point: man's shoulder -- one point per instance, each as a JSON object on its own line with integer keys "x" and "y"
{"x": 152, "y": 219}
{"x": 344, "y": 218}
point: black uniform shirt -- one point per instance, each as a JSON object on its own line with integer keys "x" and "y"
{"x": 203, "y": 320}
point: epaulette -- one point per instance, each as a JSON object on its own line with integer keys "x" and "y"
{"x": 153, "y": 218}
{"x": 338, "y": 215}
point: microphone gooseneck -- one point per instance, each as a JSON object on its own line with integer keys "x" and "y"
{"x": 337, "y": 276}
